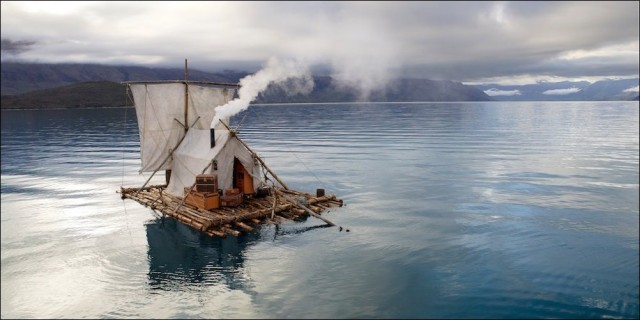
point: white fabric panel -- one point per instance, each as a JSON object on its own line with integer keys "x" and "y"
{"x": 203, "y": 100}
{"x": 157, "y": 105}
{"x": 234, "y": 149}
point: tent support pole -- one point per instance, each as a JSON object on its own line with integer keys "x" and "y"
{"x": 305, "y": 208}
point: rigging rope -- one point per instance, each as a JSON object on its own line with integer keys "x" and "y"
{"x": 300, "y": 201}
{"x": 241, "y": 121}
{"x": 323, "y": 184}
{"x": 124, "y": 133}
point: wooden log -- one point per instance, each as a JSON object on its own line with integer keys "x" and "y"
{"x": 206, "y": 225}
{"x": 250, "y": 215}
{"x": 130, "y": 190}
{"x": 231, "y": 231}
{"x": 244, "y": 226}
{"x": 286, "y": 215}
{"x": 195, "y": 214}
{"x": 334, "y": 203}
{"x": 187, "y": 214}
{"x": 184, "y": 219}
{"x": 307, "y": 209}
{"x": 197, "y": 225}
{"x": 275, "y": 220}
{"x": 216, "y": 233}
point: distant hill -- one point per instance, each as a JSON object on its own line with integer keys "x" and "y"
{"x": 77, "y": 85}
{"x": 92, "y": 94}
{"x": 112, "y": 94}
{"x": 605, "y": 90}
{"x": 17, "y": 78}
{"x": 609, "y": 90}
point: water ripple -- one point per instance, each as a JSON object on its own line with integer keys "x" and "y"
{"x": 510, "y": 210}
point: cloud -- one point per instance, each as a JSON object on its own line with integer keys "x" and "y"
{"x": 15, "y": 47}
{"x": 632, "y": 89}
{"x": 497, "y": 92}
{"x": 361, "y": 43}
{"x": 559, "y": 92}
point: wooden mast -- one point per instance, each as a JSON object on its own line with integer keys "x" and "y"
{"x": 186, "y": 96}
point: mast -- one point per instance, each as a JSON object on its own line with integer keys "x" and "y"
{"x": 186, "y": 96}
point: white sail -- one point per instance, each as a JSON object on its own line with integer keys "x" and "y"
{"x": 160, "y": 108}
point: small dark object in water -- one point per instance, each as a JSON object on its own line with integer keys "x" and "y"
{"x": 347, "y": 230}
{"x": 340, "y": 228}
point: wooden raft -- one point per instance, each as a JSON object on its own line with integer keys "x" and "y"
{"x": 232, "y": 220}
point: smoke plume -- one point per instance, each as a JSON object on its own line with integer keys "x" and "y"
{"x": 294, "y": 73}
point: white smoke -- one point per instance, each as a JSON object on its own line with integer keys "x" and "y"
{"x": 275, "y": 72}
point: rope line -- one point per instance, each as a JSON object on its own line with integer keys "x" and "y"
{"x": 124, "y": 133}
{"x": 306, "y": 167}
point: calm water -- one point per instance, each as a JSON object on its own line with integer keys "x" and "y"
{"x": 483, "y": 210}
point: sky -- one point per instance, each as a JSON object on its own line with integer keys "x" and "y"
{"x": 366, "y": 42}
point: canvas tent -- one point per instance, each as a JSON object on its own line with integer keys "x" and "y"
{"x": 195, "y": 154}
{"x": 174, "y": 122}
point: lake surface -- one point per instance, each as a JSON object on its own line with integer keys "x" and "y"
{"x": 456, "y": 210}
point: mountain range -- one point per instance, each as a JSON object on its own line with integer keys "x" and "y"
{"x": 33, "y": 85}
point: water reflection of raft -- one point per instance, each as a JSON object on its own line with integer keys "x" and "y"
{"x": 272, "y": 207}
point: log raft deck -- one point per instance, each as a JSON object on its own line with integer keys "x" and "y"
{"x": 277, "y": 206}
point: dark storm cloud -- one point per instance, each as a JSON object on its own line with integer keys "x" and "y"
{"x": 11, "y": 47}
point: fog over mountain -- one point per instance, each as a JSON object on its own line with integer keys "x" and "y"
{"x": 604, "y": 90}
{"x": 26, "y": 85}
{"x": 78, "y": 85}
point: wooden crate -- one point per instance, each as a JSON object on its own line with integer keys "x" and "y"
{"x": 232, "y": 192}
{"x": 202, "y": 200}
{"x": 207, "y": 183}
{"x": 231, "y": 200}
